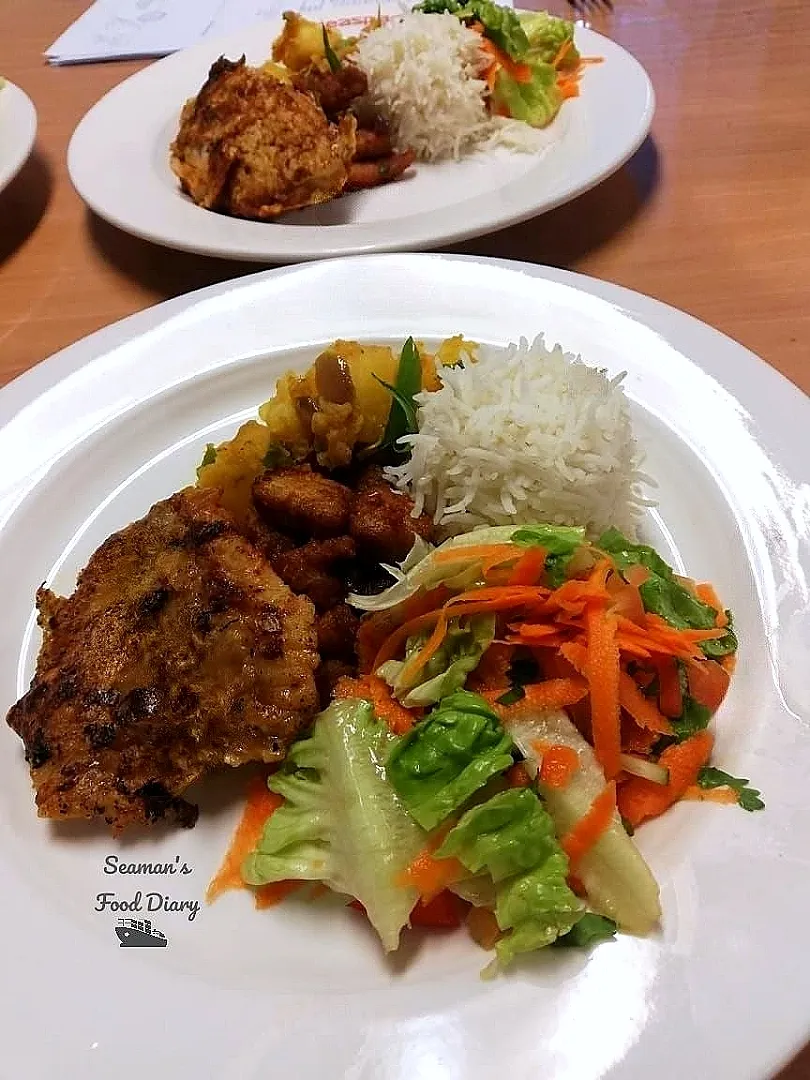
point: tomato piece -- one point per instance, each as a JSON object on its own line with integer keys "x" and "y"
{"x": 444, "y": 912}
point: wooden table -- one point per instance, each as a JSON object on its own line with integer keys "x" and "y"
{"x": 712, "y": 215}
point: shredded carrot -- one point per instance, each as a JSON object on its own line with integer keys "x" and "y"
{"x": 517, "y": 776}
{"x": 602, "y": 673}
{"x": 591, "y": 826}
{"x": 576, "y": 655}
{"x": 395, "y": 641}
{"x": 376, "y": 690}
{"x": 492, "y": 672}
{"x": 474, "y": 602}
{"x": 641, "y": 799}
{"x": 636, "y": 575}
{"x": 558, "y": 765}
{"x": 377, "y": 628}
{"x": 483, "y": 928}
{"x": 502, "y": 552}
{"x": 521, "y": 73}
{"x": 562, "y": 52}
{"x": 635, "y": 739}
{"x": 670, "y": 698}
{"x": 708, "y": 682}
{"x": 429, "y": 875}
{"x": 726, "y": 796}
{"x": 260, "y": 804}
{"x": 529, "y": 567}
{"x": 265, "y": 896}
{"x": 429, "y": 649}
{"x": 543, "y": 696}
{"x": 643, "y": 709}
{"x": 706, "y": 592}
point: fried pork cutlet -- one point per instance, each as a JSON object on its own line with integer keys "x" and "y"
{"x": 180, "y": 651}
{"x": 255, "y": 147}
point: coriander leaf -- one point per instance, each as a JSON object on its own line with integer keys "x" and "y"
{"x": 402, "y": 416}
{"x": 511, "y": 696}
{"x": 275, "y": 456}
{"x": 664, "y": 595}
{"x": 693, "y": 719}
{"x": 523, "y": 669}
{"x": 331, "y": 56}
{"x": 557, "y": 570}
{"x": 590, "y": 930}
{"x": 501, "y": 24}
{"x": 722, "y": 646}
{"x": 747, "y": 797}
{"x": 210, "y": 455}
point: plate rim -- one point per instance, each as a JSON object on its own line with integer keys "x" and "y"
{"x": 406, "y": 238}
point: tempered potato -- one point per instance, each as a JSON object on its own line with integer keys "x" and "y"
{"x": 301, "y": 42}
{"x": 236, "y": 465}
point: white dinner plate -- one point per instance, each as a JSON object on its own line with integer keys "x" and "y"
{"x": 119, "y": 163}
{"x": 91, "y": 438}
{"x": 18, "y": 130}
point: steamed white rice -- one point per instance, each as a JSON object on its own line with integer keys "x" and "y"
{"x": 525, "y": 435}
{"x": 425, "y": 76}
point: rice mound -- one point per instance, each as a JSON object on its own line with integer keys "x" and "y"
{"x": 524, "y": 435}
{"x": 425, "y": 75}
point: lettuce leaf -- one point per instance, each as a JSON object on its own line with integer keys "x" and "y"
{"x": 465, "y": 643}
{"x": 511, "y": 837}
{"x": 501, "y": 24}
{"x": 664, "y": 595}
{"x": 617, "y": 880}
{"x": 342, "y": 822}
{"x": 546, "y": 35}
{"x": 447, "y": 757}
{"x": 560, "y": 543}
{"x": 421, "y": 569}
{"x": 535, "y": 103}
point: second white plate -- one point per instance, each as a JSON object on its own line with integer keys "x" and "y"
{"x": 18, "y": 130}
{"x": 119, "y": 163}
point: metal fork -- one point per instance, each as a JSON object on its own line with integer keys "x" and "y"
{"x": 585, "y": 7}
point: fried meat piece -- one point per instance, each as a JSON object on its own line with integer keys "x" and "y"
{"x": 329, "y": 675}
{"x": 255, "y": 147}
{"x": 334, "y": 91}
{"x": 180, "y": 651}
{"x": 308, "y": 570}
{"x": 298, "y": 500}
{"x": 337, "y": 631}
{"x": 380, "y": 520}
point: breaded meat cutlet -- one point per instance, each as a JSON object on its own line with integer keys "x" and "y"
{"x": 180, "y": 651}
{"x": 255, "y": 147}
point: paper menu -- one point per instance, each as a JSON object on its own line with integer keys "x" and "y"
{"x": 126, "y": 29}
{"x": 120, "y": 29}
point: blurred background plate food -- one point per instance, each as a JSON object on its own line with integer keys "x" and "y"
{"x": 18, "y": 130}
{"x": 91, "y": 438}
{"x": 119, "y": 163}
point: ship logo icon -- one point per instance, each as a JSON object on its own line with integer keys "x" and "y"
{"x": 134, "y": 934}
